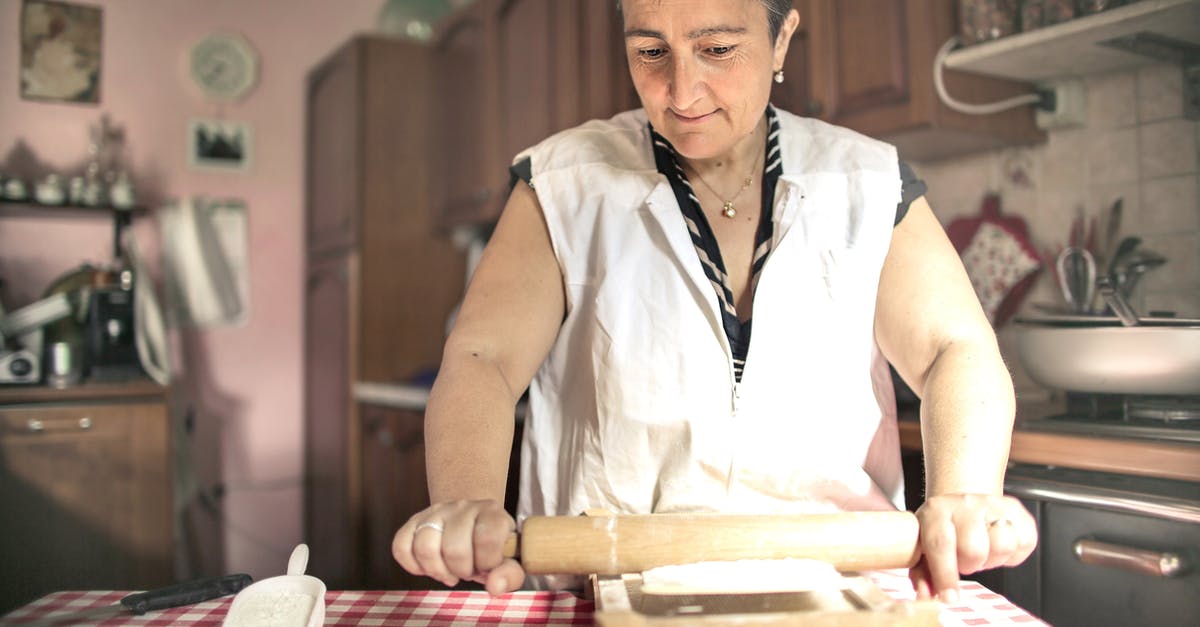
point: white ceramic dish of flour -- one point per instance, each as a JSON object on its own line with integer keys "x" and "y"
{"x": 291, "y": 600}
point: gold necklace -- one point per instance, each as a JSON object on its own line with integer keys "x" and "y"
{"x": 727, "y": 208}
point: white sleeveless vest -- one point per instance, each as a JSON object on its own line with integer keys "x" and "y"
{"x": 635, "y": 410}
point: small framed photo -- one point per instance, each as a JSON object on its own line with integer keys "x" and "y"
{"x": 220, "y": 145}
{"x": 60, "y": 51}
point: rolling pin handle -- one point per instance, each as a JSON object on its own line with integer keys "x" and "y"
{"x": 512, "y": 545}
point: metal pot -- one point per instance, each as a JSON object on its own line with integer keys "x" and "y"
{"x": 1106, "y": 358}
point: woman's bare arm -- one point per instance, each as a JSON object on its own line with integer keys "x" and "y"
{"x": 508, "y": 320}
{"x": 930, "y": 326}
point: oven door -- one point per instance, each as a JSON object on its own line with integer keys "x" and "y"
{"x": 1114, "y": 549}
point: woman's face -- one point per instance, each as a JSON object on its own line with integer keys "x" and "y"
{"x": 703, "y": 68}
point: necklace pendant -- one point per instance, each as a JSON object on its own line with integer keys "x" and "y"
{"x": 727, "y": 210}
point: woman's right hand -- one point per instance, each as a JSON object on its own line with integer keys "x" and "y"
{"x": 459, "y": 540}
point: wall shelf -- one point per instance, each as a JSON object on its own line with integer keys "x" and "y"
{"x": 121, "y": 218}
{"x": 1076, "y": 48}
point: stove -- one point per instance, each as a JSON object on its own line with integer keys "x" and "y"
{"x": 1164, "y": 418}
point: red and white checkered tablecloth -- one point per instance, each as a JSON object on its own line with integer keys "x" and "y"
{"x": 433, "y": 608}
{"x": 976, "y": 604}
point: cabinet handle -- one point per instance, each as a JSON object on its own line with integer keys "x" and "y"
{"x": 1142, "y": 561}
{"x": 35, "y": 425}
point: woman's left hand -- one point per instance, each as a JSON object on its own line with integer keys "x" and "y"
{"x": 966, "y": 533}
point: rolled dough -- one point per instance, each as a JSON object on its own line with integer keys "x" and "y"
{"x": 742, "y": 576}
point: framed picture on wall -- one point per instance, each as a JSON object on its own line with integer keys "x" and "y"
{"x": 60, "y": 51}
{"x": 220, "y": 145}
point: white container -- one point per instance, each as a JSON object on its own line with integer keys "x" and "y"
{"x": 1150, "y": 360}
{"x": 291, "y": 600}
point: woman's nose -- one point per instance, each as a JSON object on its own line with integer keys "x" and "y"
{"x": 685, "y": 83}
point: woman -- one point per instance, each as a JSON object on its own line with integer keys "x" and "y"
{"x": 627, "y": 275}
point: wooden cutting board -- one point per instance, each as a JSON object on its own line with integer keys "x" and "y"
{"x": 856, "y": 602}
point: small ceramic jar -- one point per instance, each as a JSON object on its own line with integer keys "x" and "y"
{"x": 75, "y": 190}
{"x": 121, "y": 194}
{"x": 1038, "y": 13}
{"x": 14, "y": 189}
{"x": 1087, "y": 7}
{"x": 984, "y": 20}
{"x": 50, "y": 191}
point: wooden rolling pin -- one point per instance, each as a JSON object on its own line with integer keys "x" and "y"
{"x": 612, "y": 545}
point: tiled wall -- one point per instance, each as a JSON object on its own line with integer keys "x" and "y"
{"x": 1137, "y": 146}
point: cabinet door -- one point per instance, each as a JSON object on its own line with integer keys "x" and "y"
{"x": 530, "y": 50}
{"x": 607, "y": 88}
{"x": 393, "y": 446}
{"x": 333, "y": 156}
{"x": 868, "y": 65}
{"x": 86, "y": 493}
{"x": 331, "y": 480}
{"x": 508, "y": 74}
{"x": 395, "y": 488}
{"x": 862, "y": 67}
{"x": 797, "y": 93}
{"x": 470, "y": 181}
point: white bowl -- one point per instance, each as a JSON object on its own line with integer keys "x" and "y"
{"x": 291, "y": 600}
{"x": 1111, "y": 359}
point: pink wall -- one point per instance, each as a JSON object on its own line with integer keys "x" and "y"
{"x": 248, "y": 377}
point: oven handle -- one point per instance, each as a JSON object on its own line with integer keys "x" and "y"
{"x": 1142, "y": 561}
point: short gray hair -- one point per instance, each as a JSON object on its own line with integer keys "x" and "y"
{"x": 777, "y": 11}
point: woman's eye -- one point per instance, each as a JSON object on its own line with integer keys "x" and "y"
{"x": 720, "y": 51}
{"x": 652, "y": 53}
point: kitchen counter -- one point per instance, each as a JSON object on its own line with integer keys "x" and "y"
{"x": 406, "y": 396}
{"x": 1166, "y": 460}
{"x": 137, "y": 388}
{"x": 977, "y": 606}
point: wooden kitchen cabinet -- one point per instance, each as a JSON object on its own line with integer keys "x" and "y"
{"x": 868, "y": 65}
{"x": 509, "y": 73}
{"x": 394, "y": 487}
{"x": 85, "y": 490}
{"x": 378, "y": 296}
{"x": 393, "y": 450}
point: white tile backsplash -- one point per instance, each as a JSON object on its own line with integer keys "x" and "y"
{"x": 1112, "y": 100}
{"x": 1182, "y": 270}
{"x": 1170, "y": 205}
{"x": 1167, "y": 147}
{"x": 1160, "y": 93}
{"x": 1111, "y": 155}
{"x": 1183, "y": 303}
{"x": 1136, "y": 146}
{"x": 1063, "y": 160}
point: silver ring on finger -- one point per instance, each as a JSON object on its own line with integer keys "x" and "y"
{"x": 999, "y": 522}
{"x": 436, "y": 526}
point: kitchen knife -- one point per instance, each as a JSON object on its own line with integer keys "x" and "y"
{"x": 139, "y": 603}
{"x": 612, "y": 545}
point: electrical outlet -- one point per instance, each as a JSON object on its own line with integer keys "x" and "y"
{"x": 1070, "y": 105}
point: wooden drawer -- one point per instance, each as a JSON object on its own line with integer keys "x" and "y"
{"x": 86, "y": 493}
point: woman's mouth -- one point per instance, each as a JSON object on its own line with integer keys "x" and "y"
{"x": 692, "y": 119}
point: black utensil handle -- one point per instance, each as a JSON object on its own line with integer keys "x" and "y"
{"x": 185, "y": 593}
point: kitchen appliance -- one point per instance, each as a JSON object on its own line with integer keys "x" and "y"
{"x": 21, "y": 338}
{"x": 1119, "y": 381}
{"x": 1114, "y": 550}
{"x": 1168, "y": 418}
{"x": 111, "y": 344}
